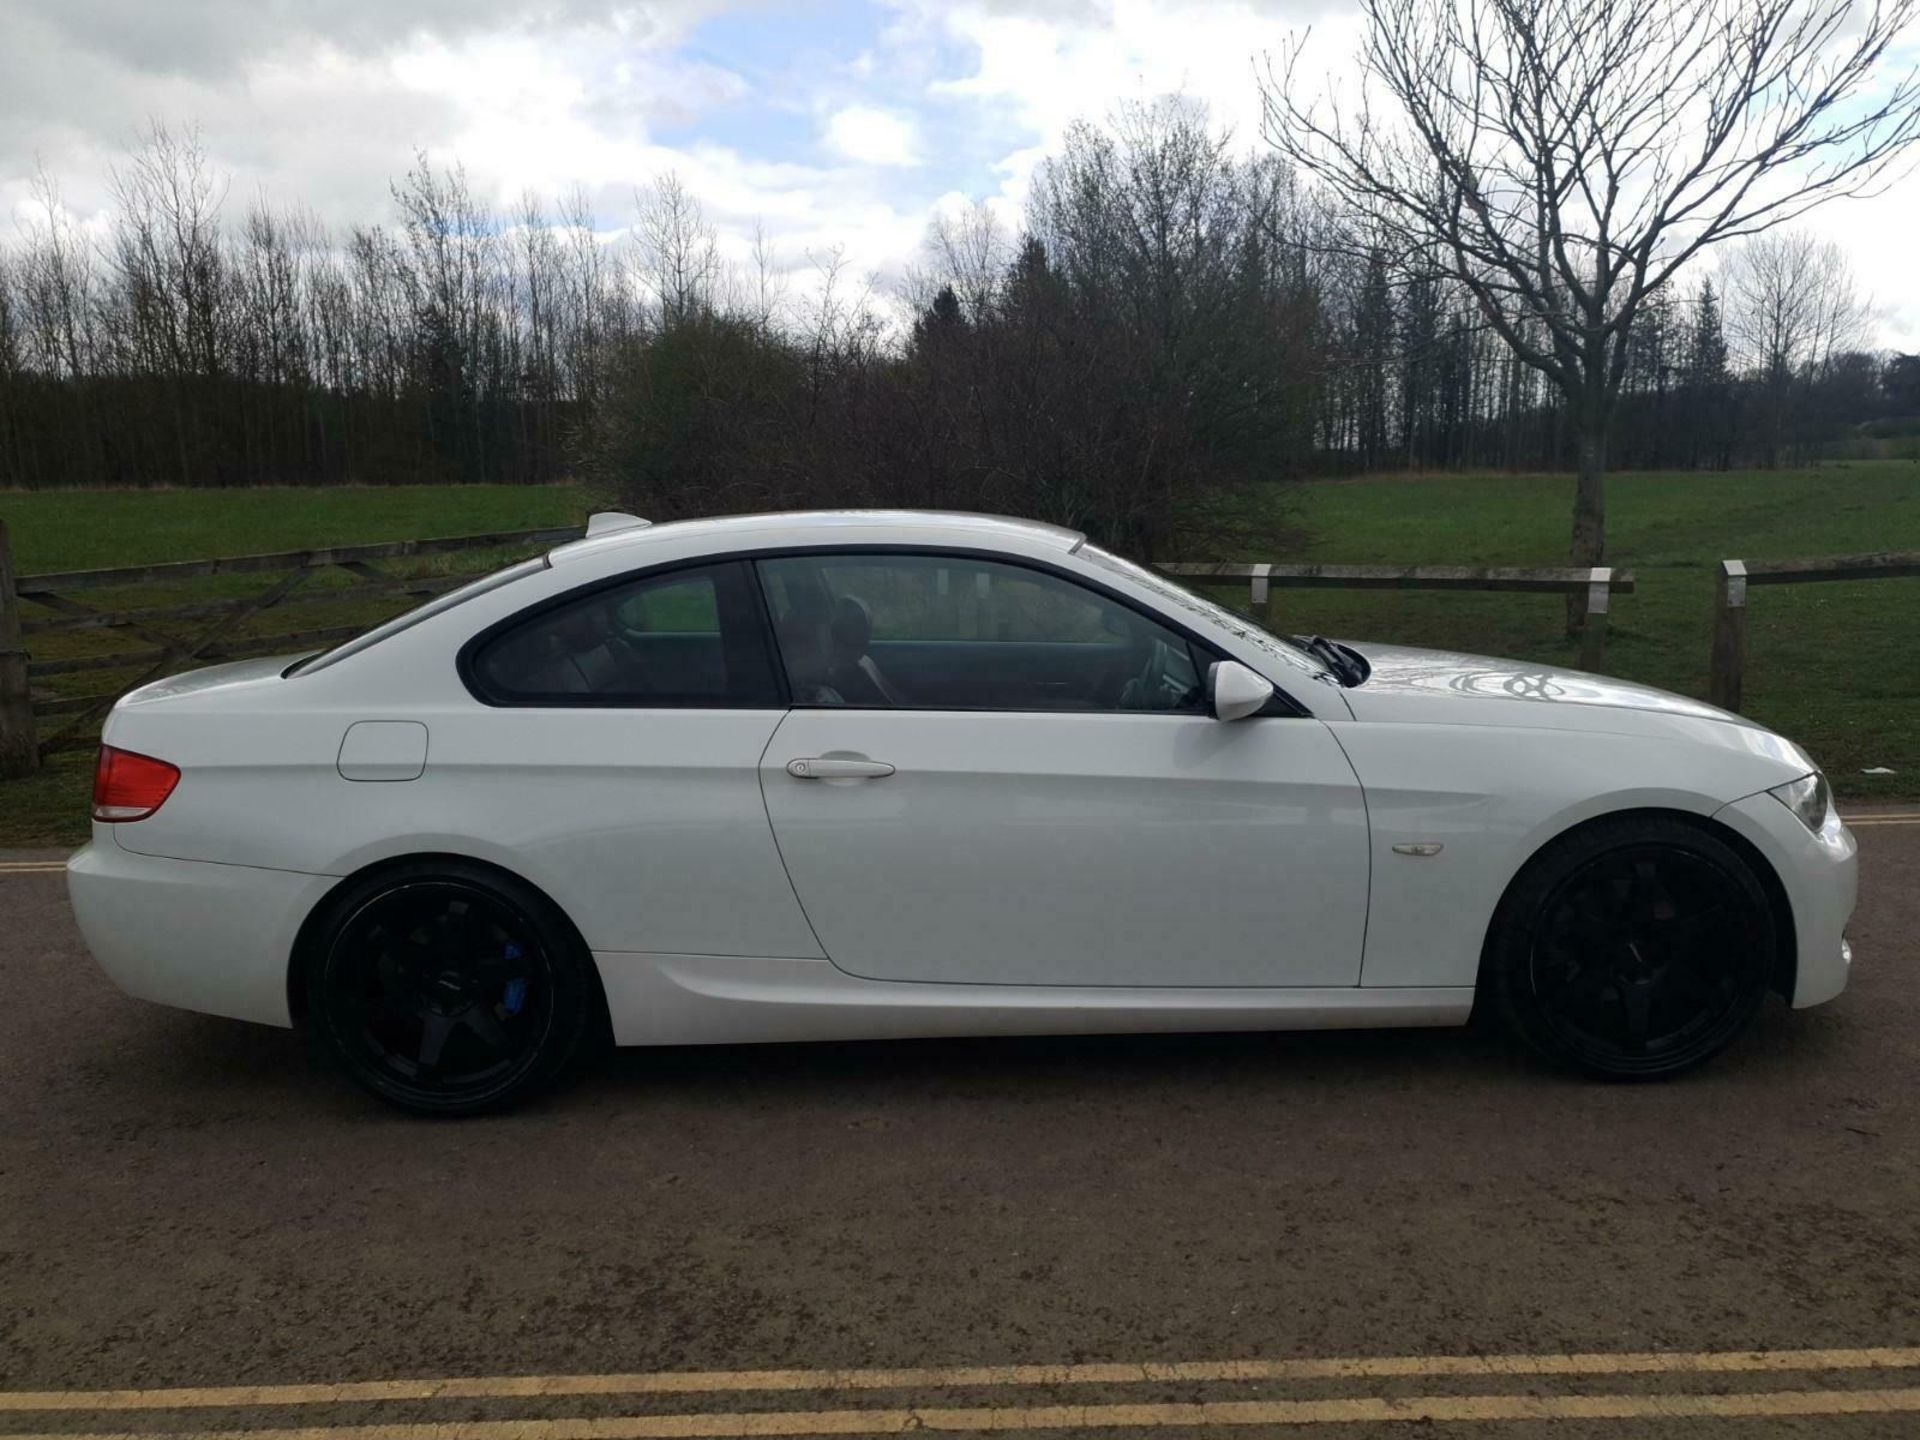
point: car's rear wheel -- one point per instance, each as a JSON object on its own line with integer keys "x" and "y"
{"x": 1633, "y": 948}
{"x": 448, "y": 989}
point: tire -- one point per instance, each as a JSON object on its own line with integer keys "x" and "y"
{"x": 448, "y": 989}
{"x": 1632, "y": 949}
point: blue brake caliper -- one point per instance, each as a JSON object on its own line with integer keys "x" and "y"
{"x": 514, "y": 1000}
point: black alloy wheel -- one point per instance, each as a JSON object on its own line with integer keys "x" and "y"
{"x": 448, "y": 992}
{"x": 1634, "y": 949}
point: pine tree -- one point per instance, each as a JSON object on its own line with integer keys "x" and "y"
{"x": 1373, "y": 344}
{"x": 1707, "y": 387}
{"x": 942, "y": 317}
{"x": 1707, "y": 347}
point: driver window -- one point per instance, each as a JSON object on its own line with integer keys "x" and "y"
{"x": 947, "y": 632}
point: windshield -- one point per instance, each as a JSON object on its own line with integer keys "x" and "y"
{"x": 1241, "y": 627}
{"x": 322, "y": 658}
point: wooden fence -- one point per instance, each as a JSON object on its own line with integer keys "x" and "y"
{"x": 167, "y": 649}
{"x": 1597, "y": 586}
{"x": 170, "y": 646}
{"x": 1727, "y": 679}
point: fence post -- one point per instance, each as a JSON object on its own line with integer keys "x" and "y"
{"x": 1260, "y": 592}
{"x": 1593, "y": 629}
{"x": 19, "y": 749}
{"x": 1729, "y": 635}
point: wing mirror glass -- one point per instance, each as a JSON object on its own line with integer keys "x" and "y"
{"x": 1235, "y": 692}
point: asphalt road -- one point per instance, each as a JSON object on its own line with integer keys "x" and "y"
{"x": 187, "y": 1202}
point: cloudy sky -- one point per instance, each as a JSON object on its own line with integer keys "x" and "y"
{"x": 837, "y": 123}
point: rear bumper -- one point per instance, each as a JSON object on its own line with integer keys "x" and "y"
{"x": 189, "y": 933}
{"x": 1820, "y": 873}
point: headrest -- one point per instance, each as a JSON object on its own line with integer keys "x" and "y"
{"x": 852, "y": 625}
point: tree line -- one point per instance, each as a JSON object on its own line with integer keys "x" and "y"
{"x": 1173, "y": 315}
{"x": 185, "y": 344}
{"x": 1769, "y": 362}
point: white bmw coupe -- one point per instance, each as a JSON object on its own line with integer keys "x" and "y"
{"x": 848, "y": 775}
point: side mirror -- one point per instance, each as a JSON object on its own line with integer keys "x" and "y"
{"x": 1234, "y": 691}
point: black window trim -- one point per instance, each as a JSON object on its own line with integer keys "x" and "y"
{"x": 1283, "y": 705}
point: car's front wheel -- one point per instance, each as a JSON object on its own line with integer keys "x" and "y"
{"x": 447, "y": 989}
{"x": 1633, "y": 948}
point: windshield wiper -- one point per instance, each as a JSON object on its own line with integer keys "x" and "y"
{"x": 1345, "y": 669}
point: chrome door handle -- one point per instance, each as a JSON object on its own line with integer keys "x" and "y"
{"x": 829, "y": 767}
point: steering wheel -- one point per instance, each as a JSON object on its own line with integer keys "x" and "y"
{"x": 1159, "y": 685}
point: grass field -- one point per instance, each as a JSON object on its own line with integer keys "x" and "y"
{"x": 105, "y": 529}
{"x": 1834, "y": 666}
{"x": 100, "y": 529}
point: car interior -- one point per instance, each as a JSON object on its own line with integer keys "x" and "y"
{"x": 1102, "y": 656}
{"x": 854, "y": 631}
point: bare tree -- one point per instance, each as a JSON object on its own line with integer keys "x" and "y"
{"x": 60, "y": 290}
{"x": 12, "y": 371}
{"x": 167, "y": 254}
{"x": 597, "y": 311}
{"x": 460, "y": 293}
{"x": 1791, "y": 309}
{"x": 1562, "y": 159}
{"x": 762, "y": 289}
{"x": 679, "y": 254}
{"x": 970, "y": 251}
{"x": 174, "y": 313}
{"x": 1791, "y": 304}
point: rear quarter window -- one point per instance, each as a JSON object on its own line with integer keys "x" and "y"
{"x": 689, "y": 637}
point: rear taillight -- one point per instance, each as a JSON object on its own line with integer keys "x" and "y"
{"x": 127, "y": 786}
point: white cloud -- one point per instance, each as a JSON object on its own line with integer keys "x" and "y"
{"x": 1876, "y": 235}
{"x": 326, "y": 108}
{"x": 872, "y": 136}
{"x": 1045, "y": 65}
{"x": 889, "y": 119}
{"x": 1053, "y": 70}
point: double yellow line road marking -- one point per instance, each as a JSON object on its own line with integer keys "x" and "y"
{"x": 1426, "y": 1409}
{"x": 977, "y": 1377}
{"x": 827, "y": 1385}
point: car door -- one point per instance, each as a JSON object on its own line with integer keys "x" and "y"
{"x": 994, "y": 773}
{"x": 615, "y": 758}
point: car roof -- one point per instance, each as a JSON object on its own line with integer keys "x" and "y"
{"x": 817, "y": 527}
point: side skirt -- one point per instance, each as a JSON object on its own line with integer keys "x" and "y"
{"x": 727, "y": 1000}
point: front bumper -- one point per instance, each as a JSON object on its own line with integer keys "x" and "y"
{"x": 190, "y": 933}
{"x": 1820, "y": 873}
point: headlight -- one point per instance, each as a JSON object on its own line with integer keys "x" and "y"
{"x": 1808, "y": 797}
